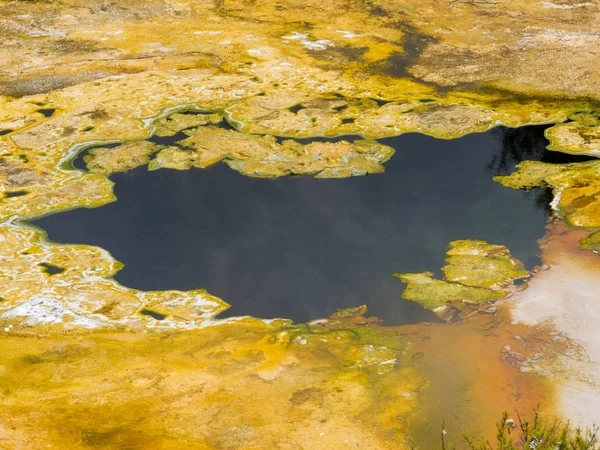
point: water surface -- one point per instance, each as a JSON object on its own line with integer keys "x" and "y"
{"x": 302, "y": 247}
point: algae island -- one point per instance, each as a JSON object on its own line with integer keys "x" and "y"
{"x": 98, "y": 90}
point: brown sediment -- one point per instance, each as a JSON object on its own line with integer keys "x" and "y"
{"x": 477, "y": 368}
{"x": 561, "y": 241}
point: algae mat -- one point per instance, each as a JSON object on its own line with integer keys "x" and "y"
{"x": 84, "y": 367}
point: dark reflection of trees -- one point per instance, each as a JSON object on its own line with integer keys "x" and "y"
{"x": 518, "y": 144}
{"x": 527, "y": 144}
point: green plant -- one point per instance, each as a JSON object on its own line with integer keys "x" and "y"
{"x": 535, "y": 434}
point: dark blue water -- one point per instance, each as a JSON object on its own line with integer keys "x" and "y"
{"x": 302, "y": 247}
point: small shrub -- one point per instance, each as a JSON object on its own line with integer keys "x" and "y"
{"x": 535, "y": 434}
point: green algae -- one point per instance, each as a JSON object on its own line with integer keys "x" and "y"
{"x": 434, "y": 294}
{"x": 476, "y": 272}
{"x": 592, "y": 242}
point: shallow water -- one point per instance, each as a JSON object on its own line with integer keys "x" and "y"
{"x": 302, "y": 247}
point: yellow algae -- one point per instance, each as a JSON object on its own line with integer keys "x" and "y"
{"x": 345, "y": 313}
{"x": 207, "y": 389}
{"x": 83, "y": 294}
{"x": 120, "y": 159}
{"x": 477, "y": 263}
{"x": 333, "y": 383}
{"x": 577, "y": 195}
{"x": 70, "y": 191}
{"x": 382, "y": 359}
{"x": 333, "y": 116}
{"x": 530, "y": 174}
{"x": 174, "y": 123}
{"x": 100, "y": 41}
{"x": 263, "y": 156}
{"x": 381, "y": 51}
{"x": 576, "y": 188}
{"x": 476, "y": 272}
{"x": 579, "y": 137}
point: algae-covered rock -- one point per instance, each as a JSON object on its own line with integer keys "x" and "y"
{"x": 576, "y": 188}
{"x": 530, "y": 174}
{"x": 592, "y": 242}
{"x": 82, "y": 293}
{"x": 433, "y": 294}
{"x": 577, "y": 194}
{"x": 346, "y": 313}
{"x": 477, "y": 263}
{"x": 579, "y": 137}
{"x": 264, "y": 156}
{"x": 477, "y": 272}
{"x": 173, "y": 124}
{"x": 123, "y": 158}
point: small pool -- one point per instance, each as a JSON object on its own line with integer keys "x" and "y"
{"x": 302, "y": 247}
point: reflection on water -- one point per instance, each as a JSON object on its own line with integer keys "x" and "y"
{"x": 527, "y": 143}
{"x": 302, "y": 247}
